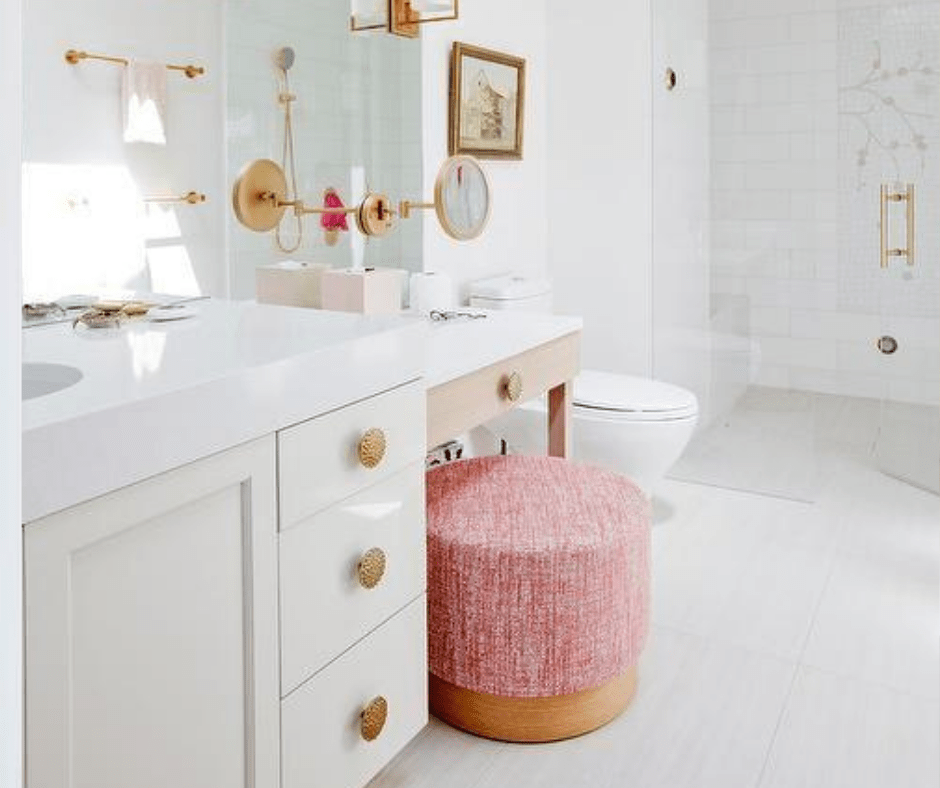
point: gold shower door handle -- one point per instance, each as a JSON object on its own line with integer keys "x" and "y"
{"x": 888, "y": 196}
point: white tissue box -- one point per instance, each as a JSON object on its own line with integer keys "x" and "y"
{"x": 290, "y": 283}
{"x": 371, "y": 291}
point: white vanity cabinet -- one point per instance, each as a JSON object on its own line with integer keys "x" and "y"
{"x": 352, "y": 590}
{"x": 154, "y": 652}
{"x": 151, "y": 632}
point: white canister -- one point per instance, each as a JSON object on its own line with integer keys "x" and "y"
{"x": 430, "y": 291}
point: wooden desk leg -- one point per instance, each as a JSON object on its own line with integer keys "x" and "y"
{"x": 559, "y": 420}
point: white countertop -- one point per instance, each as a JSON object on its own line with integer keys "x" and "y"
{"x": 459, "y": 347}
{"x": 155, "y": 396}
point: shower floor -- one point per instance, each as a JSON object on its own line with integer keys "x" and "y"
{"x": 794, "y": 643}
{"x": 783, "y": 443}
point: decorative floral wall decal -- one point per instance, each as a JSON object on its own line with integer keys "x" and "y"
{"x": 889, "y": 126}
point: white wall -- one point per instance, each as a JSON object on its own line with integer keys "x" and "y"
{"x": 599, "y": 206}
{"x": 11, "y": 631}
{"x": 517, "y": 236}
{"x": 85, "y": 225}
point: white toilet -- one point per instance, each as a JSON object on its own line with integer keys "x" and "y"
{"x": 635, "y": 426}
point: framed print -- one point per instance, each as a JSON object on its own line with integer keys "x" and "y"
{"x": 487, "y": 103}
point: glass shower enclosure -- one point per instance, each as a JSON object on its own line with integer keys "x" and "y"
{"x": 797, "y": 194}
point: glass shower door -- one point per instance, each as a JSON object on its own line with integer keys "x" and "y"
{"x": 889, "y": 127}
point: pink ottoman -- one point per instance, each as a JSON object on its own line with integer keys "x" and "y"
{"x": 538, "y": 595}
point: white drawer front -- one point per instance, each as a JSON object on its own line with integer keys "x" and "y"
{"x": 321, "y": 743}
{"x": 324, "y": 606}
{"x": 318, "y": 461}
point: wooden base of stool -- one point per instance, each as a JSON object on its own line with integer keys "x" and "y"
{"x": 531, "y": 719}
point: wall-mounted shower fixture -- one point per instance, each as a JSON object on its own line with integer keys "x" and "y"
{"x": 904, "y": 195}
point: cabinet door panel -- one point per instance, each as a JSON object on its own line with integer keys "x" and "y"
{"x": 151, "y": 632}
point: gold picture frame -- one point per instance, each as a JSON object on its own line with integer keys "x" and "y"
{"x": 487, "y": 103}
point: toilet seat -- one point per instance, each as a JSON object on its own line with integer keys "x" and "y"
{"x": 628, "y": 398}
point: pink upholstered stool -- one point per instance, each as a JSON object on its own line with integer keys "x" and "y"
{"x": 538, "y": 595}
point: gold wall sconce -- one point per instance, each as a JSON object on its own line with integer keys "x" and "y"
{"x": 259, "y": 201}
{"x": 404, "y": 17}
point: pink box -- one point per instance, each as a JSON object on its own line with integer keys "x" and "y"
{"x": 370, "y": 290}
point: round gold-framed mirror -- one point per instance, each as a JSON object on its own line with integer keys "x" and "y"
{"x": 257, "y": 195}
{"x": 462, "y": 197}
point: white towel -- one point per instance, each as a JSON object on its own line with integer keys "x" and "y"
{"x": 144, "y": 100}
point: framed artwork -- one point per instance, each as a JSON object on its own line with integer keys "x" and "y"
{"x": 487, "y": 103}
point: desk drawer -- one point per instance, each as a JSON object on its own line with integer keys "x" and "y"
{"x": 326, "y": 604}
{"x": 474, "y": 399}
{"x": 321, "y": 727}
{"x": 319, "y": 461}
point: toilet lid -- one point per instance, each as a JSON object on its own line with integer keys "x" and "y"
{"x": 641, "y": 397}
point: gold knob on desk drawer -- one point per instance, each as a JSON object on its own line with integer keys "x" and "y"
{"x": 372, "y": 447}
{"x": 371, "y": 568}
{"x": 512, "y": 386}
{"x": 372, "y": 719}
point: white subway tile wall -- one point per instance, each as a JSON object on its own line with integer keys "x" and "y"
{"x": 815, "y": 103}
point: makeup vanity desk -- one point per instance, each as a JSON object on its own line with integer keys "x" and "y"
{"x": 478, "y": 368}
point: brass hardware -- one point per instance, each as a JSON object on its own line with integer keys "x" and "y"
{"x": 75, "y": 56}
{"x": 887, "y": 345}
{"x": 405, "y": 207}
{"x": 889, "y": 196}
{"x": 371, "y": 568}
{"x": 672, "y": 79}
{"x": 192, "y": 198}
{"x": 372, "y": 447}
{"x": 259, "y": 204}
{"x": 373, "y": 216}
{"x": 372, "y": 718}
{"x": 512, "y": 386}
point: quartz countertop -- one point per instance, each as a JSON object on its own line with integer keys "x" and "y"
{"x": 155, "y": 396}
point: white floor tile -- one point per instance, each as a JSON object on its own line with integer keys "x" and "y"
{"x": 841, "y": 733}
{"x": 879, "y": 620}
{"x": 440, "y": 757}
{"x": 704, "y": 717}
{"x": 748, "y": 571}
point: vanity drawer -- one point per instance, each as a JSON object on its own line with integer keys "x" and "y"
{"x": 461, "y": 404}
{"x": 328, "y": 561}
{"x": 330, "y": 457}
{"x": 322, "y": 742}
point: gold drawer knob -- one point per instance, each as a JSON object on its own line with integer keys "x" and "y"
{"x": 512, "y": 386}
{"x": 371, "y": 568}
{"x": 372, "y": 719}
{"x": 372, "y": 447}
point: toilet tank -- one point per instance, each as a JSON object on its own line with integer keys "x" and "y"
{"x": 519, "y": 293}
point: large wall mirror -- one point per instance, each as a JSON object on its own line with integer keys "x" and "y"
{"x": 356, "y": 126}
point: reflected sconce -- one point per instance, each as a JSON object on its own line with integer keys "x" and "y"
{"x": 402, "y": 17}
{"x": 259, "y": 199}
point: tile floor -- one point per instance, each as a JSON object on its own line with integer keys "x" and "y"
{"x": 794, "y": 645}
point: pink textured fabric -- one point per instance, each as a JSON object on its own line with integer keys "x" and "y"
{"x": 538, "y": 575}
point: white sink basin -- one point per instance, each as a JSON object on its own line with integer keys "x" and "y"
{"x": 42, "y": 379}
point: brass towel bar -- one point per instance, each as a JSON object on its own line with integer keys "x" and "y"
{"x": 75, "y": 56}
{"x": 193, "y": 198}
